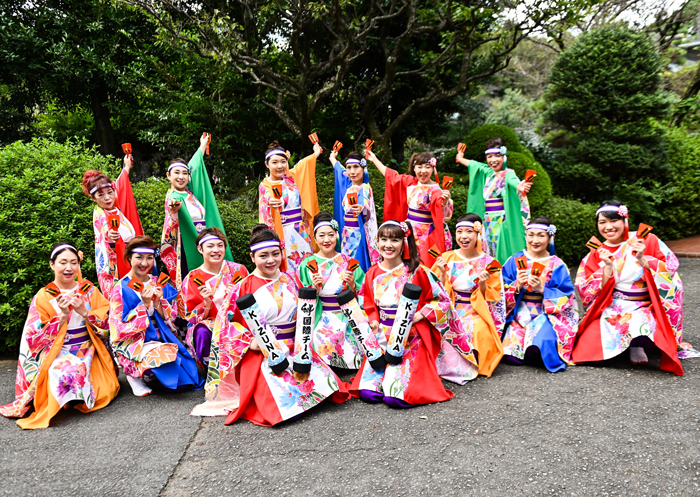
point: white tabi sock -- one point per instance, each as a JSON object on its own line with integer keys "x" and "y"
{"x": 138, "y": 386}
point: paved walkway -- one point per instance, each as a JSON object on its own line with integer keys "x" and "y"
{"x": 687, "y": 247}
{"x": 620, "y": 430}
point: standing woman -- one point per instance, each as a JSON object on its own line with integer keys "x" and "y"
{"x": 62, "y": 360}
{"x": 288, "y": 202}
{"x": 415, "y": 379}
{"x": 267, "y": 398}
{"x": 479, "y": 302}
{"x": 141, "y": 327}
{"x": 112, "y": 201}
{"x": 203, "y": 301}
{"x": 190, "y": 207}
{"x": 542, "y": 313}
{"x": 497, "y": 195}
{"x": 357, "y": 221}
{"x": 417, "y": 198}
{"x": 633, "y": 296}
{"x": 333, "y": 339}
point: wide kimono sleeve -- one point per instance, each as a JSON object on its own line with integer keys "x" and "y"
{"x": 131, "y": 326}
{"x": 38, "y": 334}
{"x": 559, "y": 293}
{"x": 370, "y": 306}
{"x": 194, "y": 303}
{"x": 396, "y": 194}
{"x": 264, "y": 208}
{"x": 448, "y": 209}
{"x": 98, "y": 313}
{"x": 478, "y": 174}
{"x": 436, "y": 304}
{"x": 304, "y": 175}
{"x": 342, "y": 183}
{"x": 170, "y": 241}
{"x": 510, "y": 276}
{"x": 512, "y": 182}
{"x": 589, "y": 282}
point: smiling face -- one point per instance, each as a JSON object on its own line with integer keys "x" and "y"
{"x": 277, "y": 165}
{"x": 179, "y": 177}
{"x": 267, "y": 261}
{"x": 213, "y": 252}
{"x": 537, "y": 241}
{"x": 65, "y": 268}
{"x": 355, "y": 172}
{"x": 495, "y": 161}
{"x": 104, "y": 198}
{"x": 141, "y": 265}
{"x": 424, "y": 172}
{"x": 326, "y": 238}
{"x": 613, "y": 230}
{"x": 390, "y": 248}
{"x": 466, "y": 238}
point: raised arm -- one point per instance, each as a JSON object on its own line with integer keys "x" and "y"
{"x": 373, "y": 159}
{"x": 460, "y": 158}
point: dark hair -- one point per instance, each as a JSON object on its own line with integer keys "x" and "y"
{"x": 261, "y": 233}
{"x": 137, "y": 242}
{"x": 612, "y": 215}
{"x": 92, "y": 178}
{"x": 322, "y": 216}
{"x": 71, "y": 248}
{"x": 175, "y": 161}
{"x": 354, "y": 155}
{"x": 470, "y": 217}
{"x": 416, "y": 159}
{"x": 541, "y": 220}
{"x": 495, "y": 142}
{"x": 275, "y": 146}
{"x": 393, "y": 231}
{"x": 212, "y": 231}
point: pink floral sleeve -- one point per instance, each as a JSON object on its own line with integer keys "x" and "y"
{"x": 264, "y": 209}
{"x": 588, "y": 286}
{"x": 136, "y": 322}
{"x": 448, "y": 209}
{"x": 439, "y": 310}
{"x": 40, "y": 336}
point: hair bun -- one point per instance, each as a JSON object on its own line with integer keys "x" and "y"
{"x": 274, "y": 144}
{"x": 87, "y": 178}
{"x": 258, "y": 228}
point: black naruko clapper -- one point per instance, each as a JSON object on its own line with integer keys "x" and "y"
{"x": 305, "y": 293}
{"x": 410, "y": 293}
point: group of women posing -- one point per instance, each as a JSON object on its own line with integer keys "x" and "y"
{"x": 329, "y": 292}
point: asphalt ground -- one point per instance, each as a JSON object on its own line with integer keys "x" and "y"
{"x": 619, "y": 430}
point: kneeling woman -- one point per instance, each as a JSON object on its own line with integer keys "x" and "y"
{"x": 62, "y": 360}
{"x": 415, "y": 379}
{"x": 204, "y": 291}
{"x": 333, "y": 339}
{"x": 479, "y": 302}
{"x": 632, "y": 294}
{"x": 141, "y": 326}
{"x": 541, "y": 302}
{"x": 267, "y": 398}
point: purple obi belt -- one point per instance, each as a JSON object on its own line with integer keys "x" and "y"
{"x": 76, "y": 336}
{"x": 463, "y": 296}
{"x": 532, "y": 297}
{"x": 420, "y": 216}
{"x": 634, "y": 294}
{"x": 284, "y": 331}
{"x": 387, "y": 316}
{"x": 494, "y": 205}
{"x": 330, "y": 304}
{"x": 351, "y": 221}
{"x": 291, "y": 216}
{"x": 200, "y": 225}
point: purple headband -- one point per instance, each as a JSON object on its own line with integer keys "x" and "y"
{"x": 263, "y": 245}
{"x": 179, "y": 164}
{"x": 100, "y": 187}
{"x": 208, "y": 238}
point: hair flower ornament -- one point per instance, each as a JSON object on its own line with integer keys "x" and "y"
{"x": 335, "y": 225}
{"x": 404, "y": 228}
{"x": 622, "y": 211}
{"x": 551, "y": 230}
{"x": 363, "y": 162}
{"x": 503, "y": 150}
{"x": 477, "y": 226}
{"x": 80, "y": 255}
{"x": 433, "y": 161}
{"x": 156, "y": 253}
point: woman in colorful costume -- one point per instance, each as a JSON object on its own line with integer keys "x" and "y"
{"x": 354, "y": 210}
{"x": 114, "y": 203}
{"x": 497, "y": 195}
{"x": 190, "y": 207}
{"x": 62, "y": 360}
{"x": 267, "y": 398}
{"x": 479, "y": 302}
{"x": 417, "y": 198}
{"x": 204, "y": 297}
{"x": 333, "y": 339}
{"x": 542, "y": 311}
{"x": 141, "y": 326}
{"x": 288, "y": 202}
{"x": 415, "y": 379}
{"x": 633, "y": 296}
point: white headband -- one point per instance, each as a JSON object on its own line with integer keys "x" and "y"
{"x": 620, "y": 209}
{"x": 275, "y": 152}
{"x": 208, "y": 238}
{"x": 390, "y": 223}
{"x": 465, "y": 224}
{"x": 60, "y": 249}
{"x": 95, "y": 188}
{"x": 352, "y": 161}
{"x": 179, "y": 164}
{"x": 537, "y": 226}
{"x": 143, "y": 250}
{"x": 322, "y": 224}
{"x": 262, "y": 245}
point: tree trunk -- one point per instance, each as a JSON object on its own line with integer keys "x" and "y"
{"x": 104, "y": 133}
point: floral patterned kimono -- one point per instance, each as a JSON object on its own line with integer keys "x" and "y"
{"x": 547, "y": 322}
{"x": 635, "y": 302}
{"x": 266, "y": 398}
{"x": 415, "y": 380}
{"x": 406, "y": 199}
{"x": 143, "y": 340}
{"x": 60, "y": 365}
{"x": 481, "y": 316}
{"x": 293, "y": 222}
{"x": 504, "y": 209}
{"x": 333, "y": 339}
{"x": 199, "y": 330}
{"x": 358, "y": 234}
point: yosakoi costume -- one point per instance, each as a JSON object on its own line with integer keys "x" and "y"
{"x": 635, "y": 302}
{"x": 504, "y": 209}
{"x": 267, "y": 398}
{"x": 109, "y": 256}
{"x": 542, "y": 324}
{"x": 144, "y": 341}
{"x": 199, "y": 330}
{"x": 333, "y": 339}
{"x": 415, "y": 379}
{"x": 358, "y": 234}
{"x": 198, "y": 211}
{"x": 481, "y": 315}
{"x": 405, "y": 198}
{"x": 62, "y": 364}
{"x": 293, "y": 222}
